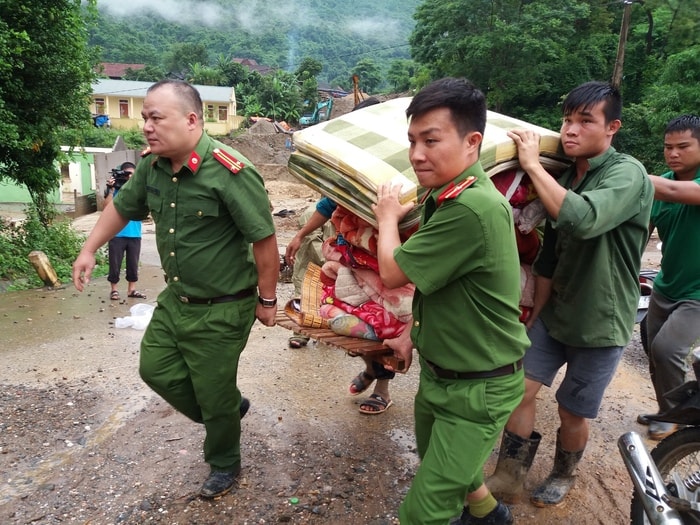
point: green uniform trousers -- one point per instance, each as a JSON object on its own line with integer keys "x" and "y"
{"x": 457, "y": 424}
{"x": 189, "y": 356}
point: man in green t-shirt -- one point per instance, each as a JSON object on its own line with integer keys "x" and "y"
{"x": 586, "y": 288}
{"x": 673, "y": 318}
{"x": 464, "y": 263}
{"x": 217, "y": 246}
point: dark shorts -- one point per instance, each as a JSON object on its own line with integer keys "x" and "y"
{"x": 588, "y": 370}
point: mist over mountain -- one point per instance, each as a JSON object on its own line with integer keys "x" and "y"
{"x": 277, "y": 34}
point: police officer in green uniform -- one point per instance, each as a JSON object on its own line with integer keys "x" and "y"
{"x": 464, "y": 262}
{"x": 217, "y": 246}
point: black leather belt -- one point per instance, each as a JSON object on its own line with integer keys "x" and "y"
{"x": 221, "y": 299}
{"x": 496, "y": 372}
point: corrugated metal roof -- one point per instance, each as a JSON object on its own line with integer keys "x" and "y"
{"x": 135, "y": 88}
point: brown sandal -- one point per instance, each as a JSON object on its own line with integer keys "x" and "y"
{"x": 375, "y": 404}
{"x": 297, "y": 341}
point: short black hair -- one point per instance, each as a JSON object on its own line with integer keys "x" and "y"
{"x": 591, "y": 93}
{"x": 191, "y": 99}
{"x": 126, "y": 165}
{"x": 683, "y": 123}
{"x": 467, "y": 104}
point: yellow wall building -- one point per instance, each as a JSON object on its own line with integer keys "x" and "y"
{"x": 122, "y": 101}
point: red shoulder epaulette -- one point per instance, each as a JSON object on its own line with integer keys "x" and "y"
{"x": 452, "y": 191}
{"x": 146, "y": 152}
{"x": 224, "y": 157}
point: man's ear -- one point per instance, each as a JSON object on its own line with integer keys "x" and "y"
{"x": 614, "y": 126}
{"x": 192, "y": 119}
{"x": 474, "y": 139}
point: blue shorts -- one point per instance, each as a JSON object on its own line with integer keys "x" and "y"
{"x": 588, "y": 370}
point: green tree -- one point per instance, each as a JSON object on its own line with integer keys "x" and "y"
{"x": 400, "y": 73}
{"x": 205, "y": 75}
{"x": 232, "y": 72}
{"x": 369, "y": 73}
{"x": 309, "y": 68}
{"x": 279, "y": 94}
{"x": 521, "y": 54}
{"x": 46, "y": 69}
{"x": 676, "y": 92}
{"x": 309, "y": 93}
{"x": 146, "y": 74}
{"x": 179, "y": 60}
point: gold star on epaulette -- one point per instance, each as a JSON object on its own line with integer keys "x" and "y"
{"x": 145, "y": 152}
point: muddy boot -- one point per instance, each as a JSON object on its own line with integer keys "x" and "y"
{"x": 557, "y": 485}
{"x": 514, "y": 461}
{"x": 501, "y": 515}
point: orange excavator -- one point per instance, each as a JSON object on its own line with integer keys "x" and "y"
{"x": 356, "y": 89}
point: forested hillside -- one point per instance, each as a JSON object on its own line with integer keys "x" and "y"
{"x": 337, "y": 33}
{"x": 526, "y": 55}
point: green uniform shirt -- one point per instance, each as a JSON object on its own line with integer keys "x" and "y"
{"x": 205, "y": 217}
{"x": 464, "y": 262}
{"x": 679, "y": 230}
{"x": 593, "y": 252}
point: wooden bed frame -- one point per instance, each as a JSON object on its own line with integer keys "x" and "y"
{"x": 352, "y": 345}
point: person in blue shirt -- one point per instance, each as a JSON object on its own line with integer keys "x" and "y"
{"x": 125, "y": 243}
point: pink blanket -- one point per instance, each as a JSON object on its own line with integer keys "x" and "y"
{"x": 351, "y": 283}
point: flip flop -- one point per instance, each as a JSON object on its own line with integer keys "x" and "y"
{"x": 136, "y": 294}
{"x": 114, "y": 295}
{"x": 297, "y": 341}
{"x": 360, "y": 383}
{"x": 378, "y": 404}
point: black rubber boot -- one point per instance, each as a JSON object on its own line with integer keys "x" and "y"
{"x": 559, "y": 482}
{"x": 501, "y": 515}
{"x": 219, "y": 483}
{"x": 514, "y": 461}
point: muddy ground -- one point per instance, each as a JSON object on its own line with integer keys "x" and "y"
{"x": 82, "y": 440}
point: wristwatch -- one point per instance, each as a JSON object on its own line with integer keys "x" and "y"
{"x": 267, "y": 303}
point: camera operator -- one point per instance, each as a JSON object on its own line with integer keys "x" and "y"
{"x": 119, "y": 176}
{"x": 126, "y": 242}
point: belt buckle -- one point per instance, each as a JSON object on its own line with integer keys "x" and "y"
{"x": 184, "y": 299}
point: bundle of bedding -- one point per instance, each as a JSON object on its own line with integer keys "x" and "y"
{"x": 348, "y": 158}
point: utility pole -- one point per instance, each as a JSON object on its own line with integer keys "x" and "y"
{"x": 624, "y": 30}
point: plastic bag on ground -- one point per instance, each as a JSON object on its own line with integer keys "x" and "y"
{"x": 138, "y": 320}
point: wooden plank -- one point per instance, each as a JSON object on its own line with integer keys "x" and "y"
{"x": 352, "y": 345}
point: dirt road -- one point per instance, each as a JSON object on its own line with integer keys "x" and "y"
{"x": 82, "y": 440}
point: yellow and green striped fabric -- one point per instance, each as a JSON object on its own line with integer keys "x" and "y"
{"x": 348, "y": 157}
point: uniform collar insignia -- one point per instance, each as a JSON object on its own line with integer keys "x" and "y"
{"x": 194, "y": 162}
{"x": 453, "y": 190}
{"x": 224, "y": 157}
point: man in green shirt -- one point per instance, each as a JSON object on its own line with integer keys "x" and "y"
{"x": 464, "y": 262}
{"x": 673, "y": 318}
{"x": 217, "y": 245}
{"x": 587, "y": 285}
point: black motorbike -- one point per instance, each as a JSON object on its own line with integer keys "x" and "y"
{"x": 667, "y": 480}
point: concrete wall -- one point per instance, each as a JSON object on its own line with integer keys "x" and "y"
{"x": 82, "y": 182}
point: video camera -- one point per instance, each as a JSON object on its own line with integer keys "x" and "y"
{"x": 117, "y": 180}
